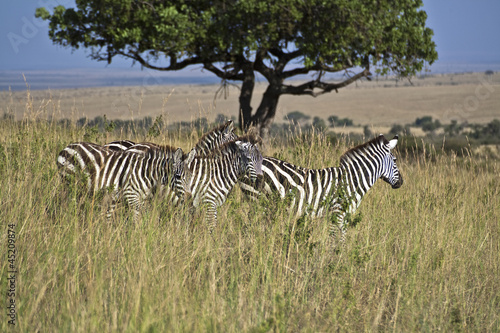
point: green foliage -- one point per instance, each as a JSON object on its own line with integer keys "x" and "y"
{"x": 367, "y": 132}
{"x": 398, "y": 129}
{"x": 91, "y": 134}
{"x": 486, "y": 134}
{"x": 427, "y": 124}
{"x": 353, "y": 221}
{"x": 319, "y": 123}
{"x": 237, "y": 38}
{"x": 454, "y": 128}
{"x": 155, "y": 130}
{"x": 419, "y": 122}
{"x": 220, "y": 118}
{"x": 109, "y": 126}
{"x": 492, "y": 128}
{"x": 329, "y": 32}
{"x": 297, "y": 117}
{"x": 335, "y": 121}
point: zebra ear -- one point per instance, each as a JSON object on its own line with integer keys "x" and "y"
{"x": 393, "y": 142}
{"x": 178, "y": 155}
{"x": 242, "y": 145}
{"x": 191, "y": 156}
{"x": 229, "y": 127}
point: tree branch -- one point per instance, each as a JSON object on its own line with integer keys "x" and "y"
{"x": 174, "y": 65}
{"x": 260, "y": 67}
{"x": 308, "y": 87}
{"x": 234, "y": 74}
{"x": 317, "y": 67}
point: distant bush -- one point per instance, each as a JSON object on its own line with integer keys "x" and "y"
{"x": 367, "y": 132}
{"x": 427, "y": 124}
{"x": 398, "y": 129}
{"x": 487, "y": 134}
{"x": 454, "y": 128}
{"x": 297, "y": 117}
{"x": 340, "y": 122}
{"x": 220, "y": 118}
{"x": 319, "y": 123}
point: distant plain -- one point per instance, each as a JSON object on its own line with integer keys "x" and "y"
{"x": 380, "y": 103}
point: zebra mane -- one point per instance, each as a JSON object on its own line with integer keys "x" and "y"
{"x": 163, "y": 148}
{"x": 218, "y": 129}
{"x": 373, "y": 142}
{"x": 251, "y": 138}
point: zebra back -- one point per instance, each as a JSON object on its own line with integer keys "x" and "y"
{"x": 134, "y": 176}
{"x": 207, "y": 143}
{"x": 119, "y": 145}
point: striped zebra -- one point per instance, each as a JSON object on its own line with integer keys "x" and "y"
{"x": 205, "y": 146}
{"x": 339, "y": 189}
{"x": 132, "y": 176}
{"x": 209, "y": 179}
{"x": 119, "y": 145}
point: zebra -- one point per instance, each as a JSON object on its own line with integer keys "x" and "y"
{"x": 339, "y": 189}
{"x": 133, "y": 176}
{"x": 205, "y": 146}
{"x": 209, "y": 179}
{"x": 119, "y": 145}
{"x": 207, "y": 143}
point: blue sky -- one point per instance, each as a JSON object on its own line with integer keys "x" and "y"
{"x": 466, "y": 32}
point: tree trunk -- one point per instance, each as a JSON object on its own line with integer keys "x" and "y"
{"x": 245, "y": 112}
{"x": 264, "y": 116}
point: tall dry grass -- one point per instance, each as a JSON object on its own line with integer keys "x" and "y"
{"x": 421, "y": 258}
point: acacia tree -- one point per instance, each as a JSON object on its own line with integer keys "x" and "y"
{"x": 235, "y": 39}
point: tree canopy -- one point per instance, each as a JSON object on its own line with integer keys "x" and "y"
{"x": 235, "y": 39}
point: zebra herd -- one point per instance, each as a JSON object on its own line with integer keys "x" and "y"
{"x": 207, "y": 174}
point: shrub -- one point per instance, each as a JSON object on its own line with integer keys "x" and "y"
{"x": 319, "y": 123}
{"x": 297, "y": 117}
{"x": 341, "y": 122}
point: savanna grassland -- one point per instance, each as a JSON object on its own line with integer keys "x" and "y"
{"x": 425, "y": 257}
{"x": 379, "y": 103}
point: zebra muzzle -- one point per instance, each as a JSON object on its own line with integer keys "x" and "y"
{"x": 398, "y": 183}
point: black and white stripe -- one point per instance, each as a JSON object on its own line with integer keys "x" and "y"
{"x": 338, "y": 189}
{"x": 210, "y": 179}
{"x": 215, "y": 138}
{"x": 133, "y": 176}
{"x": 205, "y": 146}
{"x": 119, "y": 145}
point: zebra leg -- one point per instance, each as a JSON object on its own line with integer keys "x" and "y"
{"x": 135, "y": 203}
{"x": 337, "y": 224}
{"x": 342, "y": 226}
{"x": 110, "y": 210}
{"x": 211, "y": 217}
{"x": 112, "y": 200}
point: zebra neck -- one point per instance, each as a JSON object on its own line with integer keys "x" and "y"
{"x": 156, "y": 164}
{"x": 227, "y": 164}
{"x": 354, "y": 182}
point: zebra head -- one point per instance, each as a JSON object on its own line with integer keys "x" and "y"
{"x": 390, "y": 171}
{"x": 179, "y": 161}
{"x": 251, "y": 158}
{"x": 370, "y": 161}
